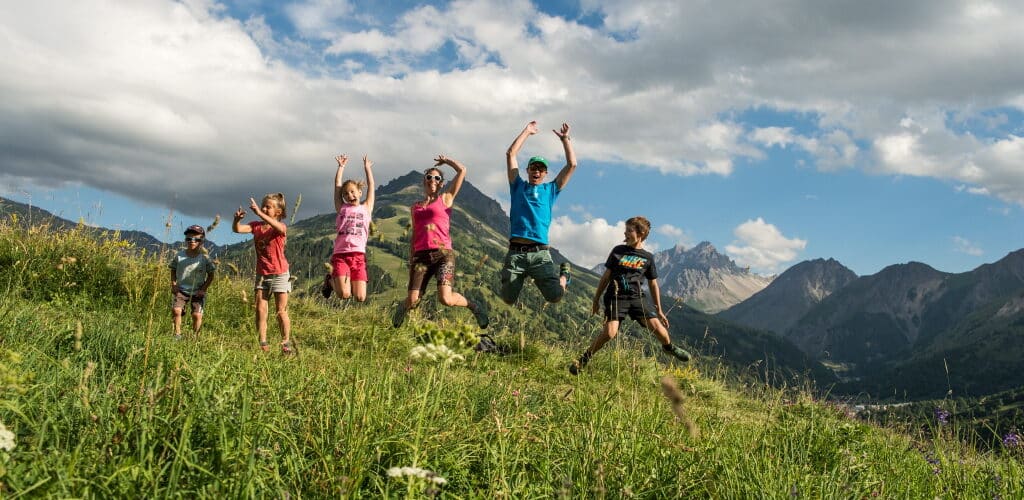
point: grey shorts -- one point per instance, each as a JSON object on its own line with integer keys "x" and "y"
{"x": 268, "y": 284}
{"x": 196, "y": 302}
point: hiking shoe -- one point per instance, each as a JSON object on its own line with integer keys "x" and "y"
{"x": 564, "y": 270}
{"x": 286, "y": 347}
{"x": 326, "y": 290}
{"x": 576, "y": 366}
{"x": 480, "y": 313}
{"x": 677, "y": 352}
{"x": 399, "y": 316}
{"x": 486, "y": 344}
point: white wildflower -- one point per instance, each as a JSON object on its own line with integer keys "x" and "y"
{"x": 424, "y": 474}
{"x": 6, "y": 438}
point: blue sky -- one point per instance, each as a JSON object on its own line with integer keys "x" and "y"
{"x": 875, "y": 134}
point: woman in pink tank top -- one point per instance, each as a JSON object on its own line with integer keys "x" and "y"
{"x": 348, "y": 260}
{"x": 431, "y": 253}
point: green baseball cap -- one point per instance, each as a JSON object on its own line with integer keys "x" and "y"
{"x": 537, "y": 159}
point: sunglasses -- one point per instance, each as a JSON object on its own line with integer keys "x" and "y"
{"x": 433, "y": 177}
{"x": 190, "y": 239}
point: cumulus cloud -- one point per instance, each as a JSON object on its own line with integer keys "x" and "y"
{"x": 965, "y": 246}
{"x": 762, "y": 246}
{"x": 586, "y": 243}
{"x": 177, "y": 103}
{"x": 676, "y": 235}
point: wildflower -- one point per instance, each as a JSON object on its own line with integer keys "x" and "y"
{"x": 942, "y": 416}
{"x": 417, "y": 472}
{"x": 1012, "y": 440}
{"x": 515, "y": 392}
{"x": 6, "y": 438}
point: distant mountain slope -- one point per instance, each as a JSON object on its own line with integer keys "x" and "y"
{"x": 791, "y": 295}
{"x": 704, "y": 278}
{"x": 34, "y": 215}
{"x": 871, "y": 318}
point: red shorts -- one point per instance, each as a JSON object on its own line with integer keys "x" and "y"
{"x": 351, "y": 264}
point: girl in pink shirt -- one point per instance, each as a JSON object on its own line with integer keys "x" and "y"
{"x": 431, "y": 253}
{"x": 348, "y": 261}
{"x": 272, "y": 278}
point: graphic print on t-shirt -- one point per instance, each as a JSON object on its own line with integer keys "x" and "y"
{"x": 632, "y": 262}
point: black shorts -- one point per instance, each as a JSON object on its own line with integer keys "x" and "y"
{"x": 638, "y": 308}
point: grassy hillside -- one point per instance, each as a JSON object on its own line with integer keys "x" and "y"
{"x": 97, "y": 400}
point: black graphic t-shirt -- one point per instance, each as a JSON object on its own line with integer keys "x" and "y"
{"x": 629, "y": 266}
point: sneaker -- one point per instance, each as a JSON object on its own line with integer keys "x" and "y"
{"x": 177, "y": 337}
{"x": 677, "y": 352}
{"x": 564, "y": 270}
{"x": 286, "y": 347}
{"x": 326, "y": 290}
{"x": 265, "y": 346}
{"x": 480, "y": 313}
{"x": 399, "y": 316}
{"x": 486, "y": 344}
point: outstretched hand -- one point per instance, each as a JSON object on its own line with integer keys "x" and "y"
{"x": 442, "y": 160}
{"x": 367, "y": 162}
{"x": 342, "y": 160}
{"x": 254, "y": 206}
{"x": 531, "y": 128}
{"x": 240, "y": 213}
{"x": 564, "y": 132}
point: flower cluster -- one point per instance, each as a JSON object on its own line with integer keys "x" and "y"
{"x": 416, "y": 472}
{"x": 942, "y": 416}
{"x": 1012, "y": 440}
{"x": 435, "y": 352}
{"x": 6, "y": 438}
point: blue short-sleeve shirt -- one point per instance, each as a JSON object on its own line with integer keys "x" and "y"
{"x": 531, "y": 209}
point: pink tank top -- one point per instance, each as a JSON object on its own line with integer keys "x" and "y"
{"x": 353, "y": 223}
{"x": 430, "y": 225}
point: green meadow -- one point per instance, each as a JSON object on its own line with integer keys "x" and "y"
{"x": 97, "y": 400}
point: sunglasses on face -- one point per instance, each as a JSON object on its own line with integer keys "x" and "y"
{"x": 191, "y": 239}
{"x": 433, "y": 177}
{"x": 537, "y": 166}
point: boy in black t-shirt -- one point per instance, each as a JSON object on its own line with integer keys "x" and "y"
{"x": 626, "y": 268}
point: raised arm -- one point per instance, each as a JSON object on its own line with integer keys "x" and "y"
{"x": 237, "y": 225}
{"x": 370, "y": 198}
{"x": 513, "y": 150}
{"x": 570, "y": 157}
{"x": 456, "y": 184}
{"x": 601, "y": 285}
{"x": 272, "y": 222}
{"x": 342, "y": 161}
{"x": 656, "y": 297}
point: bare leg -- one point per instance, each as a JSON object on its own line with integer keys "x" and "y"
{"x": 176, "y": 319}
{"x": 359, "y": 290}
{"x": 281, "y": 303}
{"x": 262, "y": 307}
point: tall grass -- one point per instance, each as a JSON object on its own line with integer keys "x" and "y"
{"x": 115, "y": 408}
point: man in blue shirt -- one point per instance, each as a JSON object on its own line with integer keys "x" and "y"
{"x": 530, "y": 214}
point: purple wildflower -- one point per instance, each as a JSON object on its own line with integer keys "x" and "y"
{"x": 942, "y": 416}
{"x": 1011, "y": 440}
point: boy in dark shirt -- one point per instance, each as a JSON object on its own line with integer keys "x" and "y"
{"x": 626, "y": 268}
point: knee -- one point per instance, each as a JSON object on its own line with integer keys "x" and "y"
{"x": 176, "y": 311}
{"x": 360, "y": 298}
{"x": 447, "y": 299}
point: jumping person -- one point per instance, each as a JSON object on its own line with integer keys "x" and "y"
{"x": 621, "y": 284}
{"x": 431, "y": 253}
{"x": 348, "y": 260}
{"x": 530, "y": 217}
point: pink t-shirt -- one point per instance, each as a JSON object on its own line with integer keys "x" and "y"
{"x": 269, "y": 249}
{"x": 430, "y": 225}
{"x": 353, "y": 223}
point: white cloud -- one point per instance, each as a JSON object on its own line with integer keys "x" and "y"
{"x": 762, "y": 246}
{"x": 963, "y": 245}
{"x": 144, "y": 98}
{"x": 586, "y": 243}
{"x": 676, "y": 235}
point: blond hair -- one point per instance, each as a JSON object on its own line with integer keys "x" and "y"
{"x": 278, "y": 200}
{"x": 360, "y": 185}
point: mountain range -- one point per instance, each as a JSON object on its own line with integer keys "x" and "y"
{"x": 907, "y": 331}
